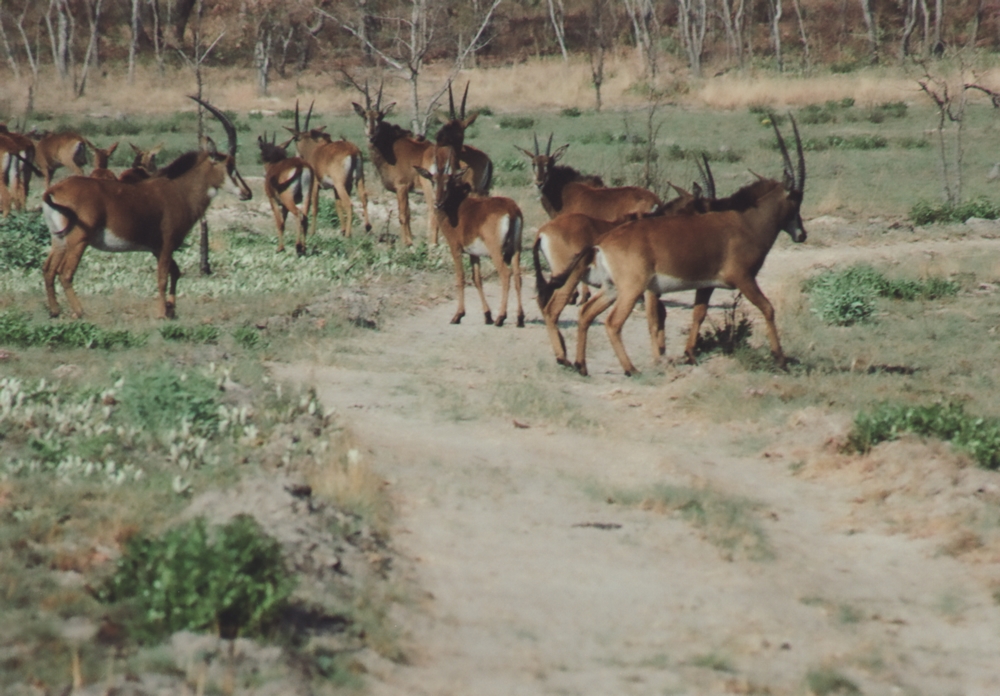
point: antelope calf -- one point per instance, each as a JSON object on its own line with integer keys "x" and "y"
{"x": 397, "y": 154}
{"x": 290, "y": 187}
{"x": 152, "y": 215}
{"x": 479, "y": 226}
{"x": 54, "y": 150}
{"x": 692, "y": 252}
{"x": 565, "y": 190}
{"x": 337, "y": 164}
{"x": 101, "y": 159}
{"x": 143, "y": 164}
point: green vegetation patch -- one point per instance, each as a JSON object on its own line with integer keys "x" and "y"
{"x": 17, "y": 330}
{"x": 826, "y": 681}
{"x": 24, "y": 240}
{"x": 847, "y": 296}
{"x": 977, "y": 435}
{"x": 162, "y": 398}
{"x": 230, "y": 580}
{"x": 926, "y": 213}
{"x": 517, "y": 122}
{"x": 204, "y": 333}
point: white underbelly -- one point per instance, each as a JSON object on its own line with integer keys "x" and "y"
{"x": 107, "y": 240}
{"x": 477, "y": 248}
{"x": 661, "y": 284}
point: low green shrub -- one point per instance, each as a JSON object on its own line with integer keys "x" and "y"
{"x": 571, "y": 112}
{"x": 913, "y": 143}
{"x": 517, "y": 122}
{"x": 926, "y": 213}
{"x": 163, "y": 398}
{"x": 17, "y": 330}
{"x": 248, "y": 336}
{"x": 978, "y": 436}
{"x": 190, "y": 334}
{"x": 24, "y": 240}
{"x": 230, "y": 580}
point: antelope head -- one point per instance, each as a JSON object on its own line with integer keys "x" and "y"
{"x": 270, "y": 151}
{"x": 794, "y": 184}
{"x": 542, "y": 164}
{"x": 373, "y": 116}
{"x": 450, "y": 188}
{"x": 223, "y": 165}
{"x": 452, "y": 133}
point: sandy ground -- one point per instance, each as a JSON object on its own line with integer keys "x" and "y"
{"x": 527, "y": 583}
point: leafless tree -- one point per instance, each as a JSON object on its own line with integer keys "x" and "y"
{"x": 869, "y": 17}
{"x": 8, "y": 50}
{"x": 557, "y": 14}
{"x": 133, "y": 46}
{"x": 910, "y": 10}
{"x": 90, "y": 57}
{"x": 646, "y": 30}
{"x": 732, "y": 21}
{"x": 600, "y": 37}
{"x": 951, "y": 101}
{"x": 61, "y": 36}
{"x": 775, "y": 9}
{"x": 802, "y": 35}
{"x": 28, "y": 52}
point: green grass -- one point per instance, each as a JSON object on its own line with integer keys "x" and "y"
{"x": 16, "y": 329}
{"x": 926, "y": 213}
{"x": 24, "y": 242}
{"x": 827, "y": 681}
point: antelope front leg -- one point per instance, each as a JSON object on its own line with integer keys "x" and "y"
{"x": 515, "y": 265}
{"x": 656, "y": 316}
{"x": 752, "y": 292}
{"x": 701, "y": 298}
{"x": 590, "y": 310}
{"x": 456, "y": 255}
{"x": 477, "y": 280}
{"x": 403, "y": 202}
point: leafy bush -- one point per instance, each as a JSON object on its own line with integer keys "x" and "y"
{"x": 17, "y": 330}
{"x": 162, "y": 398}
{"x": 914, "y": 143}
{"x": 978, "y": 436}
{"x": 517, "y": 122}
{"x": 925, "y": 213}
{"x": 231, "y": 580}
{"x": 570, "y": 112}
{"x": 816, "y": 113}
{"x": 733, "y": 335}
{"x": 839, "y": 142}
{"x": 248, "y": 337}
{"x": 190, "y": 334}
{"x": 24, "y": 239}
{"x": 847, "y": 296}
{"x": 678, "y": 152}
{"x": 484, "y": 111}
{"x": 109, "y": 127}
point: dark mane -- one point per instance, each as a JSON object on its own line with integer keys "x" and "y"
{"x": 747, "y": 197}
{"x": 182, "y": 165}
{"x": 385, "y": 135}
{"x": 451, "y": 134}
{"x": 557, "y": 179}
{"x": 271, "y": 153}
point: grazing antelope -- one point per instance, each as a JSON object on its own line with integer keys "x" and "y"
{"x": 565, "y": 190}
{"x": 289, "y": 182}
{"x": 451, "y": 147}
{"x": 54, "y": 150}
{"x": 338, "y": 164}
{"x": 143, "y": 164}
{"x": 101, "y": 160}
{"x": 153, "y": 215}
{"x": 479, "y": 226}
{"x": 17, "y": 154}
{"x": 396, "y": 153}
{"x": 692, "y": 252}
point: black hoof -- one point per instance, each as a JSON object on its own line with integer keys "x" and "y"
{"x": 489, "y": 317}
{"x": 368, "y": 227}
{"x": 500, "y": 320}
{"x": 457, "y": 319}
{"x": 520, "y": 321}
{"x": 581, "y": 368}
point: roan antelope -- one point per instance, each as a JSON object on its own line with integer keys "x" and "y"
{"x": 54, "y": 150}
{"x": 338, "y": 164}
{"x": 101, "y": 159}
{"x": 290, "y": 186}
{"x": 691, "y": 252}
{"x": 17, "y": 154}
{"x": 396, "y": 153}
{"x": 565, "y": 190}
{"x": 153, "y": 215}
{"x": 479, "y": 226}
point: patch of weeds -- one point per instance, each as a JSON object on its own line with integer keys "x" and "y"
{"x": 826, "y": 681}
{"x": 846, "y": 614}
{"x": 17, "y": 330}
{"x": 714, "y": 661}
{"x": 517, "y": 122}
{"x": 230, "y": 580}
{"x": 925, "y": 213}
{"x": 484, "y": 110}
{"x": 24, "y": 239}
{"x": 728, "y": 522}
{"x": 203, "y": 333}
{"x": 248, "y": 337}
{"x": 570, "y": 112}
{"x": 818, "y": 113}
{"x": 843, "y": 67}
{"x": 528, "y": 400}
{"x": 910, "y": 142}
{"x": 512, "y": 164}
{"x": 163, "y": 398}
{"x": 734, "y": 333}
{"x": 677, "y": 152}
{"x": 977, "y": 435}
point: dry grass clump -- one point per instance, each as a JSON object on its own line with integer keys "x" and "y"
{"x": 345, "y": 476}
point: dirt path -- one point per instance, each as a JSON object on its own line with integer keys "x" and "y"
{"x": 532, "y": 583}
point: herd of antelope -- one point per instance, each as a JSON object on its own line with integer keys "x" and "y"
{"x": 607, "y": 246}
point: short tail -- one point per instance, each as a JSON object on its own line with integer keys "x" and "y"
{"x": 542, "y": 285}
{"x": 570, "y": 275}
{"x": 66, "y": 212}
{"x": 512, "y": 242}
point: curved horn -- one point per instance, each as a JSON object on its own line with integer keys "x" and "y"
{"x": 309, "y": 113}
{"x": 548, "y": 148}
{"x": 707, "y": 180}
{"x": 789, "y": 172}
{"x": 536, "y": 145}
{"x": 297, "y": 129}
{"x": 378, "y": 101}
{"x": 461, "y": 112}
{"x": 226, "y": 123}
{"x": 451, "y": 103}
{"x": 800, "y": 174}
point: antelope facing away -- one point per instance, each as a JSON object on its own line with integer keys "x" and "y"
{"x": 101, "y": 160}
{"x": 290, "y": 187}
{"x": 54, "y": 150}
{"x": 565, "y": 190}
{"x": 479, "y": 226}
{"x": 691, "y": 252}
{"x": 396, "y": 153}
{"x": 338, "y": 164}
{"x": 143, "y": 164}
{"x": 153, "y": 215}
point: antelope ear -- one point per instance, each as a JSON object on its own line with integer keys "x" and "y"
{"x": 697, "y": 190}
{"x": 530, "y": 156}
{"x": 111, "y": 150}
{"x": 208, "y": 145}
{"x": 386, "y": 110}
{"x": 559, "y": 152}
{"x": 156, "y": 150}
{"x": 424, "y": 173}
{"x": 469, "y": 121}
{"x": 358, "y": 110}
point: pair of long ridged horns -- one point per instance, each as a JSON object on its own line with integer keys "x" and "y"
{"x": 226, "y": 123}
{"x": 796, "y": 176}
{"x": 548, "y": 146}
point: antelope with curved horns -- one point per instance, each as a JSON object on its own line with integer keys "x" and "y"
{"x": 54, "y": 150}
{"x": 338, "y": 164}
{"x": 143, "y": 164}
{"x": 396, "y": 153}
{"x": 479, "y": 226}
{"x": 289, "y": 182}
{"x": 692, "y": 252}
{"x": 17, "y": 154}
{"x": 153, "y": 215}
{"x": 450, "y": 141}
{"x": 565, "y": 190}
{"x": 101, "y": 159}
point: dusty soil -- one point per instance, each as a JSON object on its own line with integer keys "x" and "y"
{"x": 526, "y": 582}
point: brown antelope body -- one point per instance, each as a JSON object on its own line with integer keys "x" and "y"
{"x": 396, "y": 153}
{"x": 154, "y": 215}
{"x": 17, "y": 154}
{"x": 338, "y": 165}
{"x": 692, "y": 252}
{"x": 479, "y": 226}
{"x": 102, "y": 157}
{"x": 451, "y": 147}
{"x": 54, "y": 150}
{"x": 290, "y": 186}
{"x": 565, "y": 190}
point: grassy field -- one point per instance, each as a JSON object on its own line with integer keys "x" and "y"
{"x": 86, "y": 466}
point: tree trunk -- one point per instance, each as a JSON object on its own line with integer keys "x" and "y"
{"x": 938, "y": 47}
{"x": 15, "y": 68}
{"x": 734, "y": 29}
{"x": 262, "y": 55}
{"x": 866, "y": 13}
{"x": 909, "y": 24}
{"x": 157, "y": 38}
{"x": 133, "y": 46}
{"x": 802, "y": 33}
{"x": 692, "y": 18}
{"x": 776, "y": 11}
{"x": 94, "y": 16}
{"x": 32, "y": 60}
{"x": 557, "y": 15}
